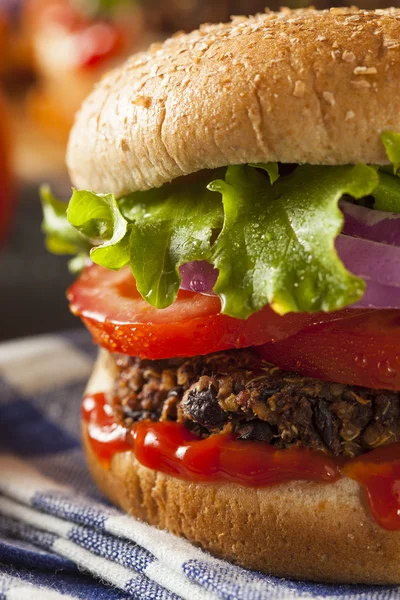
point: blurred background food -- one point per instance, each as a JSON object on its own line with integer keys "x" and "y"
{"x": 73, "y": 43}
{"x": 15, "y": 49}
{"x": 51, "y": 54}
{"x": 6, "y": 187}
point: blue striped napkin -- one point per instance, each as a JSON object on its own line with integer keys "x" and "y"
{"x": 59, "y": 538}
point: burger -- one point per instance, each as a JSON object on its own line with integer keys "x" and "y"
{"x": 73, "y": 43}
{"x": 235, "y": 219}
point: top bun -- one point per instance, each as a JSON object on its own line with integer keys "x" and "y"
{"x": 297, "y": 86}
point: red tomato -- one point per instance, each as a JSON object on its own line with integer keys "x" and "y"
{"x": 119, "y": 319}
{"x": 5, "y": 176}
{"x": 360, "y": 350}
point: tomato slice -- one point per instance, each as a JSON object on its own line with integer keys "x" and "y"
{"x": 361, "y": 350}
{"x": 120, "y": 320}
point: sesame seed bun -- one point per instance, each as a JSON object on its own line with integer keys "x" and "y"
{"x": 306, "y": 530}
{"x": 298, "y": 86}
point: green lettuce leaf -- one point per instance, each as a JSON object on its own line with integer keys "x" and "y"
{"x": 272, "y": 238}
{"x": 170, "y": 226}
{"x": 387, "y": 193}
{"x": 271, "y": 168}
{"x": 61, "y": 237}
{"x": 277, "y": 243}
{"x": 391, "y": 141}
{"x": 154, "y": 231}
{"x": 98, "y": 218}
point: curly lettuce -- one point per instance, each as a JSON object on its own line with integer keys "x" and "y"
{"x": 277, "y": 245}
{"x": 61, "y": 237}
{"x": 271, "y": 236}
{"x": 391, "y": 141}
{"x": 387, "y": 193}
{"x": 169, "y": 227}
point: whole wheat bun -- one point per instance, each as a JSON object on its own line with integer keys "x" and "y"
{"x": 298, "y": 86}
{"x": 303, "y": 529}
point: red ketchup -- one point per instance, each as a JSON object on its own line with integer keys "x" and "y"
{"x": 379, "y": 473}
{"x": 106, "y": 436}
{"x": 170, "y": 448}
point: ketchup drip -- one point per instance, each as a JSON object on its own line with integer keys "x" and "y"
{"x": 379, "y": 473}
{"x": 170, "y": 448}
{"x": 106, "y": 436}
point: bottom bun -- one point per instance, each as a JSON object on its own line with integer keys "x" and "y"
{"x": 304, "y": 530}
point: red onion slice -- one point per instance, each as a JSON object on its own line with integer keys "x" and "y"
{"x": 379, "y": 296}
{"x": 374, "y": 225}
{"x": 198, "y": 276}
{"x": 371, "y": 261}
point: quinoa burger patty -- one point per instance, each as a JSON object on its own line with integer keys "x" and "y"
{"x": 239, "y": 392}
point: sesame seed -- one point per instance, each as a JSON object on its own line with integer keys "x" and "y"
{"x": 329, "y": 98}
{"x": 299, "y": 89}
{"x": 365, "y": 71}
{"x": 349, "y": 115}
{"x": 348, "y": 56}
{"x": 201, "y": 47}
{"x": 144, "y": 101}
{"x": 388, "y": 43}
{"x": 339, "y": 11}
